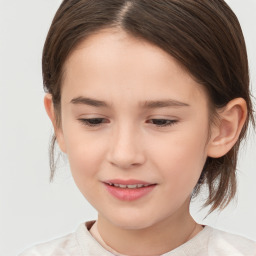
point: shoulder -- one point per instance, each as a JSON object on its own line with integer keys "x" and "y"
{"x": 79, "y": 243}
{"x": 224, "y": 243}
{"x": 62, "y": 246}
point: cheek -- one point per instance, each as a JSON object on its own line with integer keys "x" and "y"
{"x": 182, "y": 158}
{"x": 85, "y": 153}
{"x": 85, "y": 160}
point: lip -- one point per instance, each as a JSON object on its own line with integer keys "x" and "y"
{"x": 127, "y": 182}
{"x": 128, "y": 194}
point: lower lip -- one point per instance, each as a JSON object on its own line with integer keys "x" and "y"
{"x": 129, "y": 194}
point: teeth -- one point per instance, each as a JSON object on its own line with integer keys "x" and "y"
{"x": 132, "y": 186}
{"x": 128, "y": 186}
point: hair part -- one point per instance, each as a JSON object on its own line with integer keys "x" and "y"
{"x": 205, "y": 37}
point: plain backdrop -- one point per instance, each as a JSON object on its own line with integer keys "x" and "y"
{"x": 31, "y": 209}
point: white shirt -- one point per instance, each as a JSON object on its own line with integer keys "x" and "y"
{"x": 208, "y": 242}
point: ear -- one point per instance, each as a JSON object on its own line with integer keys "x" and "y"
{"x": 49, "y": 107}
{"x": 226, "y": 132}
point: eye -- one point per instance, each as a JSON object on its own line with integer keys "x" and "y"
{"x": 162, "y": 122}
{"x": 93, "y": 121}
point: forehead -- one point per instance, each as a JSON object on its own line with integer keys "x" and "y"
{"x": 115, "y": 62}
{"x": 112, "y": 46}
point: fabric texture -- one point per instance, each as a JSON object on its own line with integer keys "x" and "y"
{"x": 208, "y": 242}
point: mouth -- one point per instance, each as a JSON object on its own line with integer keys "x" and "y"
{"x": 128, "y": 190}
{"x": 130, "y": 186}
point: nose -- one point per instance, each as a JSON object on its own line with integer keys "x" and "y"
{"x": 126, "y": 149}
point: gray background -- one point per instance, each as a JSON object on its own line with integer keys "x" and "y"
{"x": 31, "y": 209}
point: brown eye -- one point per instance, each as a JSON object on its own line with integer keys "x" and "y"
{"x": 93, "y": 121}
{"x": 162, "y": 122}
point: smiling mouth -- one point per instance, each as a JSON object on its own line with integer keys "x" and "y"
{"x": 129, "y": 190}
{"x": 130, "y": 186}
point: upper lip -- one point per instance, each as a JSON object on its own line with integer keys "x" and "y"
{"x": 128, "y": 182}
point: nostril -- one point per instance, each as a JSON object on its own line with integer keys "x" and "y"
{"x": 127, "y": 162}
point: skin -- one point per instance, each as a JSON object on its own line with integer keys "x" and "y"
{"x": 132, "y": 140}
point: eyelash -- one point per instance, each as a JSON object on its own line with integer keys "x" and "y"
{"x": 93, "y": 122}
{"x": 163, "y": 122}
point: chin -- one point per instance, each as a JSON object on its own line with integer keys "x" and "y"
{"x": 132, "y": 221}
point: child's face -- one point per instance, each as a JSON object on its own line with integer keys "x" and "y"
{"x": 149, "y": 125}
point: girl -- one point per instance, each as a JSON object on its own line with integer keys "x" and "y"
{"x": 149, "y": 101}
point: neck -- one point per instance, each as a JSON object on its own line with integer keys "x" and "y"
{"x": 156, "y": 239}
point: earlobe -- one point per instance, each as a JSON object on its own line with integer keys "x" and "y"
{"x": 49, "y": 107}
{"x": 226, "y": 132}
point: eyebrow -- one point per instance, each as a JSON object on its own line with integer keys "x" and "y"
{"x": 89, "y": 102}
{"x": 164, "y": 104}
{"x": 149, "y": 104}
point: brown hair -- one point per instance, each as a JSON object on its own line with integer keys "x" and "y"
{"x": 203, "y": 35}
